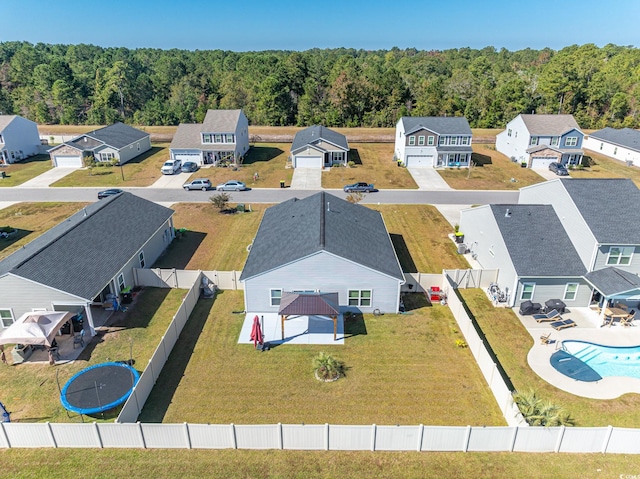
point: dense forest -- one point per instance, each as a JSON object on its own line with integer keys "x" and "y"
{"x": 86, "y": 84}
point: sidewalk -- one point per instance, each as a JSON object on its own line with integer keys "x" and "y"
{"x": 48, "y": 177}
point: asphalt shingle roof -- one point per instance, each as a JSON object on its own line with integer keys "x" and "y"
{"x": 536, "y": 241}
{"x": 610, "y": 281}
{"x": 625, "y": 137}
{"x": 84, "y": 252}
{"x": 543, "y": 125}
{"x": 118, "y": 135}
{"x": 220, "y": 121}
{"x": 298, "y": 228}
{"x": 316, "y": 132}
{"x": 442, "y": 125}
{"x": 187, "y": 136}
{"x": 610, "y": 207}
{"x": 5, "y": 120}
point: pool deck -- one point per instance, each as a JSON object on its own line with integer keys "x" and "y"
{"x": 588, "y": 329}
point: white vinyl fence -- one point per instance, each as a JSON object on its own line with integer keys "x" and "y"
{"x": 472, "y": 278}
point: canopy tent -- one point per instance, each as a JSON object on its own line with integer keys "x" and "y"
{"x": 310, "y": 304}
{"x": 613, "y": 283}
{"x": 36, "y": 328}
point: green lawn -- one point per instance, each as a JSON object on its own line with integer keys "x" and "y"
{"x": 18, "y": 173}
{"x": 604, "y": 167}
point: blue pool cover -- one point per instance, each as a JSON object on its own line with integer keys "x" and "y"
{"x": 573, "y": 367}
{"x": 99, "y": 388}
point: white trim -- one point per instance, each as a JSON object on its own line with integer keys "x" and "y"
{"x": 566, "y": 290}
{"x": 13, "y": 317}
{"x": 621, "y": 255}
{"x": 360, "y": 298}
{"x": 522, "y": 292}
{"x": 272, "y": 297}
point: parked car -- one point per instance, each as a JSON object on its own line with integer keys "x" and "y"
{"x": 558, "y": 168}
{"x": 171, "y": 167}
{"x": 232, "y": 185}
{"x": 360, "y": 186}
{"x": 198, "y": 184}
{"x": 189, "y": 167}
{"x": 109, "y": 192}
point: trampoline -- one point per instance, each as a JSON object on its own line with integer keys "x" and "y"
{"x": 99, "y": 388}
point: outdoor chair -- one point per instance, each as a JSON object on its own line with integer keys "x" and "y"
{"x": 545, "y": 339}
{"x": 562, "y": 324}
{"x": 629, "y": 319}
{"x": 552, "y": 315}
{"x": 78, "y": 339}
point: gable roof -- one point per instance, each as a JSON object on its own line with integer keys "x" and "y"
{"x": 609, "y": 206}
{"x": 221, "y": 121}
{"x": 625, "y": 137}
{"x": 536, "y": 241}
{"x": 84, "y": 252}
{"x": 541, "y": 125}
{"x": 117, "y": 135}
{"x": 187, "y": 136}
{"x": 316, "y": 132}
{"x": 611, "y": 281}
{"x": 309, "y": 304}
{"x": 297, "y": 228}
{"x": 442, "y": 125}
{"x": 5, "y": 120}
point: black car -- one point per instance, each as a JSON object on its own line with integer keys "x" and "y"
{"x": 558, "y": 168}
{"x": 189, "y": 167}
{"x": 107, "y": 193}
{"x": 360, "y": 186}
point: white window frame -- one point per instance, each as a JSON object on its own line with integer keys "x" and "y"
{"x": 121, "y": 283}
{"x": 230, "y": 138}
{"x": 533, "y": 140}
{"x": 207, "y": 138}
{"x": 273, "y": 298}
{"x": 360, "y": 300}
{"x": 569, "y": 292}
{"x": 464, "y": 140}
{"x": 217, "y": 138}
{"x": 442, "y": 140}
{"x": 524, "y": 295}
{"x": 453, "y": 140}
{"x": 554, "y": 141}
{"x": 3, "y": 318}
{"x": 430, "y": 140}
{"x": 106, "y": 157}
{"x": 141, "y": 259}
{"x": 571, "y": 141}
{"x": 509, "y": 132}
{"x": 625, "y": 252}
{"x": 412, "y": 140}
{"x": 421, "y": 140}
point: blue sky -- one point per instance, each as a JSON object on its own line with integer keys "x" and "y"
{"x": 301, "y": 25}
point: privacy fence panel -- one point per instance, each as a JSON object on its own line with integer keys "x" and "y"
{"x": 583, "y": 439}
{"x": 472, "y": 278}
{"x": 29, "y": 435}
{"x": 490, "y": 439}
{"x": 624, "y": 441}
{"x": 305, "y": 437}
{"x": 421, "y": 282}
{"x": 225, "y": 279}
{"x": 444, "y": 438}
{"x": 398, "y": 438}
{"x": 351, "y": 438}
{"x": 76, "y": 435}
{"x": 169, "y": 436}
{"x": 211, "y": 436}
{"x": 536, "y": 439}
{"x": 265, "y": 436}
{"x": 121, "y": 435}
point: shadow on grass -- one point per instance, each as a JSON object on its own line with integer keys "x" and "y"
{"x": 181, "y": 250}
{"x": 18, "y": 235}
{"x": 355, "y": 326}
{"x": 354, "y": 155}
{"x": 145, "y": 155}
{"x": 413, "y": 301}
{"x": 406, "y": 261}
{"x": 259, "y": 154}
{"x": 35, "y": 159}
{"x": 162, "y": 394}
{"x": 480, "y": 160}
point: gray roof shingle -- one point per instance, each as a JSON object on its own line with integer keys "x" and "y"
{"x": 442, "y": 125}
{"x": 625, "y": 137}
{"x": 298, "y": 228}
{"x": 84, "y": 252}
{"x": 5, "y": 120}
{"x": 316, "y": 132}
{"x": 118, "y": 135}
{"x": 536, "y": 241}
{"x": 220, "y": 121}
{"x": 610, "y": 281}
{"x": 544, "y": 125}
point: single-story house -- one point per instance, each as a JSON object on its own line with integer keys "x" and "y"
{"x": 19, "y": 139}
{"x": 538, "y": 140}
{"x": 222, "y": 139}
{"x": 433, "y": 142}
{"x": 85, "y": 259}
{"x": 318, "y": 147}
{"x": 114, "y": 142}
{"x": 322, "y": 244}
{"x": 620, "y": 144}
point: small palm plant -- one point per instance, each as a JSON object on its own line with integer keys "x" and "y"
{"x": 538, "y": 412}
{"x": 327, "y": 368}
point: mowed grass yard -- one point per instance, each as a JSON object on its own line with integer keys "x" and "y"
{"x": 18, "y": 173}
{"x": 604, "y": 167}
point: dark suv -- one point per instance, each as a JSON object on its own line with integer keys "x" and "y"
{"x": 558, "y": 168}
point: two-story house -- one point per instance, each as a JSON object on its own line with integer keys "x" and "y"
{"x": 19, "y": 138}
{"x": 433, "y": 142}
{"x": 223, "y": 138}
{"x": 538, "y": 140}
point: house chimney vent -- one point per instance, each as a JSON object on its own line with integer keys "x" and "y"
{"x": 507, "y": 214}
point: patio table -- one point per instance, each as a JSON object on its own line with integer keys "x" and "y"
{"x": 610, "y": 314}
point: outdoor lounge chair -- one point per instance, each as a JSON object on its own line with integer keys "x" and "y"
{"x": 545, "y": 339}
{"x": 552, "y": 315}
{"x": 563, "y": 323}
{"x": 628, "y": 321}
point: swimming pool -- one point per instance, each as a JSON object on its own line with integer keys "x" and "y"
{"x": 606, "y": 360}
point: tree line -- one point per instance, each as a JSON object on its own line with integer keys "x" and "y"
{"x": 87, "y": 84}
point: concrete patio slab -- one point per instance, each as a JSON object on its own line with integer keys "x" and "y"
{"x": 298, "y": 329}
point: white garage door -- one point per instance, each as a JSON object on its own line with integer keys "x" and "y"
{"x": 419, "y": 160}
{"x": 68, "y": 161}
{"x": 184, "y": 157}
{"x": 308, "y": 162}
{"x": 542, "y": 162}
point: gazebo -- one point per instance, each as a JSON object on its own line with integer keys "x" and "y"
{"x": 310, "y": 304}
{"x": 614, "y": 283}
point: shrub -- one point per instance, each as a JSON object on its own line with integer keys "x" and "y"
{"x": 351, "y": 164}
{"x": 327, "y": 368}
{"x": 221, "y": 200}
{"x": 538, "y": 412}
{"x": 461, "y": 343}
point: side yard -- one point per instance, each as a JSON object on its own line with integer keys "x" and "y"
{"x": 18, "y": 173}
{"x": 603, "y": 167}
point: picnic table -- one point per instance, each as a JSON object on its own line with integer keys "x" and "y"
{"x": 613, "y": 313}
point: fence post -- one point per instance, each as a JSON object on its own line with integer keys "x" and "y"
{"x": 4, "y": 433}
{"x": 280, "y": 439}
{"x": 559, "y": 441}
{"x": 186, "y": 435}
{"x": 142, "y": 443}
{"x": 420, "y": 436}
{"x": 234, "y": 439}
{"x": 467, "y": 438}
{"x": 607, "y": 438}
{"x": 326, "y": 436}
{"x": 513, "y": 439}
{"x": 98, "y": 437}
{"x": 373, "y": 437}
{"x": 51, "y": 436}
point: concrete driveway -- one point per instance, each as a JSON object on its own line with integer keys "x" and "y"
{"x": 48, "y": 177}
{"x": 171, "y": 181}
{"x": 428, "y": 179}
{"x": 307, "y": 179}
{"x": 548, "y": 175}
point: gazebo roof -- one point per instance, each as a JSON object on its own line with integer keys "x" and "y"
{"x": 309, "y": 304}
{"x": 613, "y": 281}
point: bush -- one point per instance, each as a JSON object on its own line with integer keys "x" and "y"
{"x": 351, "y": 164}
{"x": 327, "y": 368}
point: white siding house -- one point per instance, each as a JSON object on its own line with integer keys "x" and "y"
{"x": 620, "y": 144}
{"x": 19, "y": 138}
{"x": 318, "y": 147}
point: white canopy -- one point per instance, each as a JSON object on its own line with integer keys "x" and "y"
{"x": 35, "y": 328}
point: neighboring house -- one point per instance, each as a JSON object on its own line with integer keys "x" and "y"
{"x": 327, "y": 245}
{"x": 85, "y": 258}
{"x": 19, "y": 138}
{"x": 114, "y": 142}
{"x": 538, "y": 140}
{"x": 433, "y": 142}
{"x": 563, "y": 226}
{"x": 318, "y": 147}
{"x": 620, "y": 144}
{"x": 223, "y": 138}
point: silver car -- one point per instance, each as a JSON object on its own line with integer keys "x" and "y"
{"x": 198, "y": 184}
{"x": 232, "y": 185}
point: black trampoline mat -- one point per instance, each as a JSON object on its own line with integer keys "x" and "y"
{"x": 99, "y": 386}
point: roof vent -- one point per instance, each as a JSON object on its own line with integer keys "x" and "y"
{"x": 507, "y": 214}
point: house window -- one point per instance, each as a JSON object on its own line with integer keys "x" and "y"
{"x": 230, "y": 138}
{"x": 430, "y": 140}
{"x": 527, "y": 291}
{"x": 206, "y": 138}
{"x": 106, "y": 157}
{"x": 7, "y": 317}
{"x": 360, "y": 297}
{"x": 421, "y": 140}
{"x": 454, "y": 140}
{"x": 217, "y": 138}
{"x": 509, "y": 132}
{"x": 554, "y": 141}
{"x": 534, "y": 140}
{"x": 619, "y": 255}
{"x": 412, "y": 140}
{"x": 442, "y": 141}
{"x": 276, "y": 296}
{"x": 1, "y": 139}
{"x": 570, "y": 291}
{"x": 141, "y": 259}
{"x": 121, "y": 284}
{"x": 464, "y": 140}
{"x": 571, "y": 141}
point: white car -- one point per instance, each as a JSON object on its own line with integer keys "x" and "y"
{"x": 171, "y": 167}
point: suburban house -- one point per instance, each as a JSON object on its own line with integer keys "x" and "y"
{"x": 318, "y": 147}
{"x": 433, "y": 142}
{"x": 538, "y": 140}
{"x": 322, "y": 244}
{"x": 19, "y": 138}
{"x": 222, "y": 139}
{"x": 620, "y": 144}
{"x": 117, "y": 142}
{"x": 85, "y": 260}
{"x": 559, "y": 234}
